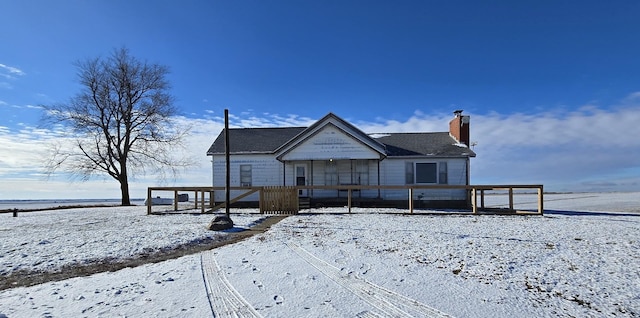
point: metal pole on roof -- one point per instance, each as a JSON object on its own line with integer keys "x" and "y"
{"x": 228, "y": 165}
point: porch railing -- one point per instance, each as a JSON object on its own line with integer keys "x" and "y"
{"x": 278, "y": 198}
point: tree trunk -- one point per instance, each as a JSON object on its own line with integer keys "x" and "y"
{"x": 124, "y": 189}
{"x": 124, "y": 182}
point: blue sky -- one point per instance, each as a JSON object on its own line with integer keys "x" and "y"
{"x": 553, "y": 87}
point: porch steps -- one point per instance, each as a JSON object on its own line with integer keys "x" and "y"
{"x": 304, "y": 203}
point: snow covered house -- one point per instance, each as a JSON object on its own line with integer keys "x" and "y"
{"x": 333, "y": 152}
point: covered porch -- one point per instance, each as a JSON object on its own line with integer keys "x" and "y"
{"x": 333, "y": 172}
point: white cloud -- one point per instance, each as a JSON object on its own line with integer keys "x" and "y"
{"x": 9, "y": 73}
{"x": 11, "y": 70}
{"x": 566, "y": 150}
{"x": 593, "y": 148}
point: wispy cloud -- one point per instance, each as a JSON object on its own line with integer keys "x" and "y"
{"x": 577, "y": 150}
{"x": 10, "y": 72}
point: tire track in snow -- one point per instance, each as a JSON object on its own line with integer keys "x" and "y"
{"x": 224, "y": 299}
{"x": 388, "y": 302}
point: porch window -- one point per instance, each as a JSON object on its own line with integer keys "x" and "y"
{"x": 245, "y": 175}
{"x": 330, "y": 173}
{"x": 361, "y": 172}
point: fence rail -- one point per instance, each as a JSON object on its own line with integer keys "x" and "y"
{"x": 284, "y": 199}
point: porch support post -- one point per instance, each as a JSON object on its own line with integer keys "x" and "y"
{"x": 378, "y": 177}
{"x": 310, "y": 191}
{"x": 284, "y": 173}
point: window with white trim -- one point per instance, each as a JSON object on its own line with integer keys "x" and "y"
{"x": 245, "y": 175}
{"x": 426, "y": 173}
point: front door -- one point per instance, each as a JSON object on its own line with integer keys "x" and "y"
{"x": 301, "y": 178}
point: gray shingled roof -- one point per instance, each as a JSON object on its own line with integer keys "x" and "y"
{"x": 254, "y": 140}
{"x": 423, "y": 144}
{"x": 268, "y": 140}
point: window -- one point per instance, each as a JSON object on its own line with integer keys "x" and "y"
{"x": 245, "y": 175}
{"x": 442, "y": 173}
{"x": 408, "y": 171}
{"x": 361, "y": 172}
{"x": 330, "y": 173}
{"x": 426, "y": 172}
{"x": 301, "y": 176}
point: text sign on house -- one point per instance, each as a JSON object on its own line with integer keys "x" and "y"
{"x": 331, "y": 143}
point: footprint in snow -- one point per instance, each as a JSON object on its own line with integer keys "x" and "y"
{"x": 258, "y": 284}
{"x": 364, "y": 269}
{"x": 278, "y": 299}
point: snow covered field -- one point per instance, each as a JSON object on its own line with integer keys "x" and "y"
{"x": 582, "y": 258}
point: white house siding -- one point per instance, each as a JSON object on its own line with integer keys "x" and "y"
{"x": 265, "y": 171}
{"x": 330, "y": 143}
{"x": 393, "y": 173}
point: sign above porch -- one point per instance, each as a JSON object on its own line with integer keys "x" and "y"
{"x": 331, "y": 138}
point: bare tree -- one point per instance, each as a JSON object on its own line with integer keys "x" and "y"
{"x": 121, "y": 122}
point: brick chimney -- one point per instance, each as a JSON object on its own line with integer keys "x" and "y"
{"x": 459, "y": 127}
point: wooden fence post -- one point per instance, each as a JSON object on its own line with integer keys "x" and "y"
{"x": 202, "y": 207}
{"x": 175, "y": 200}
{"x": 148, "y": 201}
{"x": 411, "y": 200}
{"x": 541, "y": 200}
{"x": 510, "y": 198}
{"x": 474, "y": 200}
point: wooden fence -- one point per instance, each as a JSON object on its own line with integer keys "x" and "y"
{"x": 279, "y": 200}
{"x": 196, "y": 190}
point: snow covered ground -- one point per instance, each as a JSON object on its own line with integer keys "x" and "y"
{"x": 582, "y": 258}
